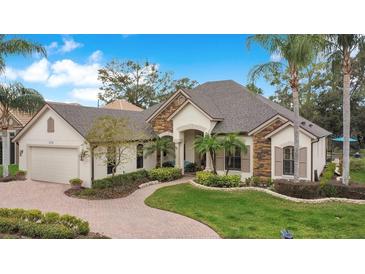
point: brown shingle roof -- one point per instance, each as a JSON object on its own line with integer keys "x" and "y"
{"x": 122, "y": 104}
{"x": 81, "y": 118}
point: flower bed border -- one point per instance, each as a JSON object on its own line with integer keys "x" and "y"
{"x": 278, "y": 195}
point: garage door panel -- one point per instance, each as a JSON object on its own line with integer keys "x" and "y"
{"x": 57, "y": 165}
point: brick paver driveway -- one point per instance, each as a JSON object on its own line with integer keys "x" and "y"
{"x": 117, "y": 218}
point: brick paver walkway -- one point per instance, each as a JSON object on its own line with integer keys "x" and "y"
{"x": 123, "y": 218}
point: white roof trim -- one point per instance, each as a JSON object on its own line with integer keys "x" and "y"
{"x": 302, "y": 130}
{"x": 186, "y": 103}
{"x": 172, "y": 97}
{"x": 266, "y": 123}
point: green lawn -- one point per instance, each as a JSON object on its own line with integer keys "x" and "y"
{"x": 254, "y": 214}
{"x": 13, "y": 168}
{"x": 358, "y": 176}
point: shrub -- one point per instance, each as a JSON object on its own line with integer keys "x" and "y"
{"x": 76, "y": 182}
{"x": 328, "y": 173}
{"x": 34, "y": 223}
{"x": 255, "y": 181}
{"x": 139, "y": 176}
{"x": 165, "y": 174}
{"x": 45, "y": 231}
{"x": 209, "y": 179}
{"x": 191, "y": 167}
{"x": 305, "y": 190}
{"x": 248, "y": 181}
{"x": 269, "y": 182}
{"x": 357, "y": 164}
{"x": 168, "y": 164}
{"x": 88, "y": 192}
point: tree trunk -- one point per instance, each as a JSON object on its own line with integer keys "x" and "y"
{"x": 161, "y": 158}
{"x": 212, "y": 156}
{"x": 229, "y": 162}
{"x": 346, "y": 116}
{"x": 6, "y": 149}
{"x": 294, "y": 86}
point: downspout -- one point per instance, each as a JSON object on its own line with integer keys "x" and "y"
{"x": 312, "y": 157}
{"x": 92, "y": 164}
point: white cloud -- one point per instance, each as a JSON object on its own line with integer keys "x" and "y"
{"x": 36, "y": 72}
{"x": 95, "y": 56}
{"x": 67, "y": 71}
{"x": 69, "y": 44}
{"x": 87, "y": 94}
{"x": 9, "y": 74}
{"x": 51, "y": 48}
{"x": 276, "y": 56}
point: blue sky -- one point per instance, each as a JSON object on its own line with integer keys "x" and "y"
{"x": 69, "y": 74}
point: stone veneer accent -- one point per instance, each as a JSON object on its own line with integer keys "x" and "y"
{"x": 160, "y": 123}
{"x": 262, "y": 150}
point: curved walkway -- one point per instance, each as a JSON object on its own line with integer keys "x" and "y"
{"x": 122, "y": 218}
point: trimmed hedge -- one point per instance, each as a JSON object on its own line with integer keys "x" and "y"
{"x": 314, "y": 190}
{"x": 209, "y": 179}
{"x": 140, "y": 176}
{"x": 33, "y": 223}
{"x": 304, "y": 190}
{"x": 165, "y": 174}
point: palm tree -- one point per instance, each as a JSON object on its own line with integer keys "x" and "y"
{"x": 208, "y": 144}
{"x": 15, "y": 46}
{"x": 297, "y": 52}
{"x": 230, "y": 143}
{"x": 161, "y": 146}
{"x": 15, "y": 97}
{"x": 340, "y": 47}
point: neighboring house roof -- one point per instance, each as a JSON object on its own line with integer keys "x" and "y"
{"x": 240, "y": 109}
{"x": 122, "y": 104}
{"x": 21, "y": 118}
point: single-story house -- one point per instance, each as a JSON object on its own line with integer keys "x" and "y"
{"x": 51, "y": 144}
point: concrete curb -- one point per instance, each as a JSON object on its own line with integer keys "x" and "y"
{"x": 278, "y": 195}
{"x": 151, "y": 183}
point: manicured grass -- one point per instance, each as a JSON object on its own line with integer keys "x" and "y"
{"x": 254, "y": 214}
{"x": 13, "y": 168}
{"x": 358, "y": 176}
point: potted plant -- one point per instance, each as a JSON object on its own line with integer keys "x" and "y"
{"x": 21, "y": 175}
{"x": 76, "y": 183}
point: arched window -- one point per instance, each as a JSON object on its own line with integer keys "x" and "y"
{"x": 140, "y": 156}
{"x": 50, "y": 125}
{"x": 288, "y": 160}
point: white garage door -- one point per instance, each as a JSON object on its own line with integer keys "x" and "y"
{"x": 57, "y": 165}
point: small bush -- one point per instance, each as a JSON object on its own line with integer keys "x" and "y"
{"x": 76, "y": 182}
{"x": 209, "y": 179}
{"x": 21, "y": 173}
{"x": 255, "y": 181}
{"x": 88, "y": 192}
{"x": 357, "y": 164}
{"x": 328, "y": 173}
{"x": 8, "y": 225}
{"x": 168, "y": 164}
{"x": 269, "y": 182}
{"x": 248, "y": 181}
{"x": 45, "y": 231}
{"x": 305, "y": 190}
{"x": 165, "y": 174}
{"x": 191, "y": 167}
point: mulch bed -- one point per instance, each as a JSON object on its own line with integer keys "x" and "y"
{"x": 91, "y": 235}
{"x": 103, "y": 194}
{"x": 7, "y": 179}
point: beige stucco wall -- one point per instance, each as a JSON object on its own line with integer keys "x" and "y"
{"x": 319, "y": 156}
{"x": 64, "y": 135}
{"x": 100, "y": 168}
{"x": 248, "y": 140}
{"x": 285, "y": 138}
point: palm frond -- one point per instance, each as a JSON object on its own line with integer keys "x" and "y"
{"x": 264, "y": 69}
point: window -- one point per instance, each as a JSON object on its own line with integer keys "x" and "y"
{"x": 235, "y": 163}
{"x": 288, "y": 160}
{"x": 111, "y": 161}
{"x": 50, "y": 125}
{"x": 140, "y": 156}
